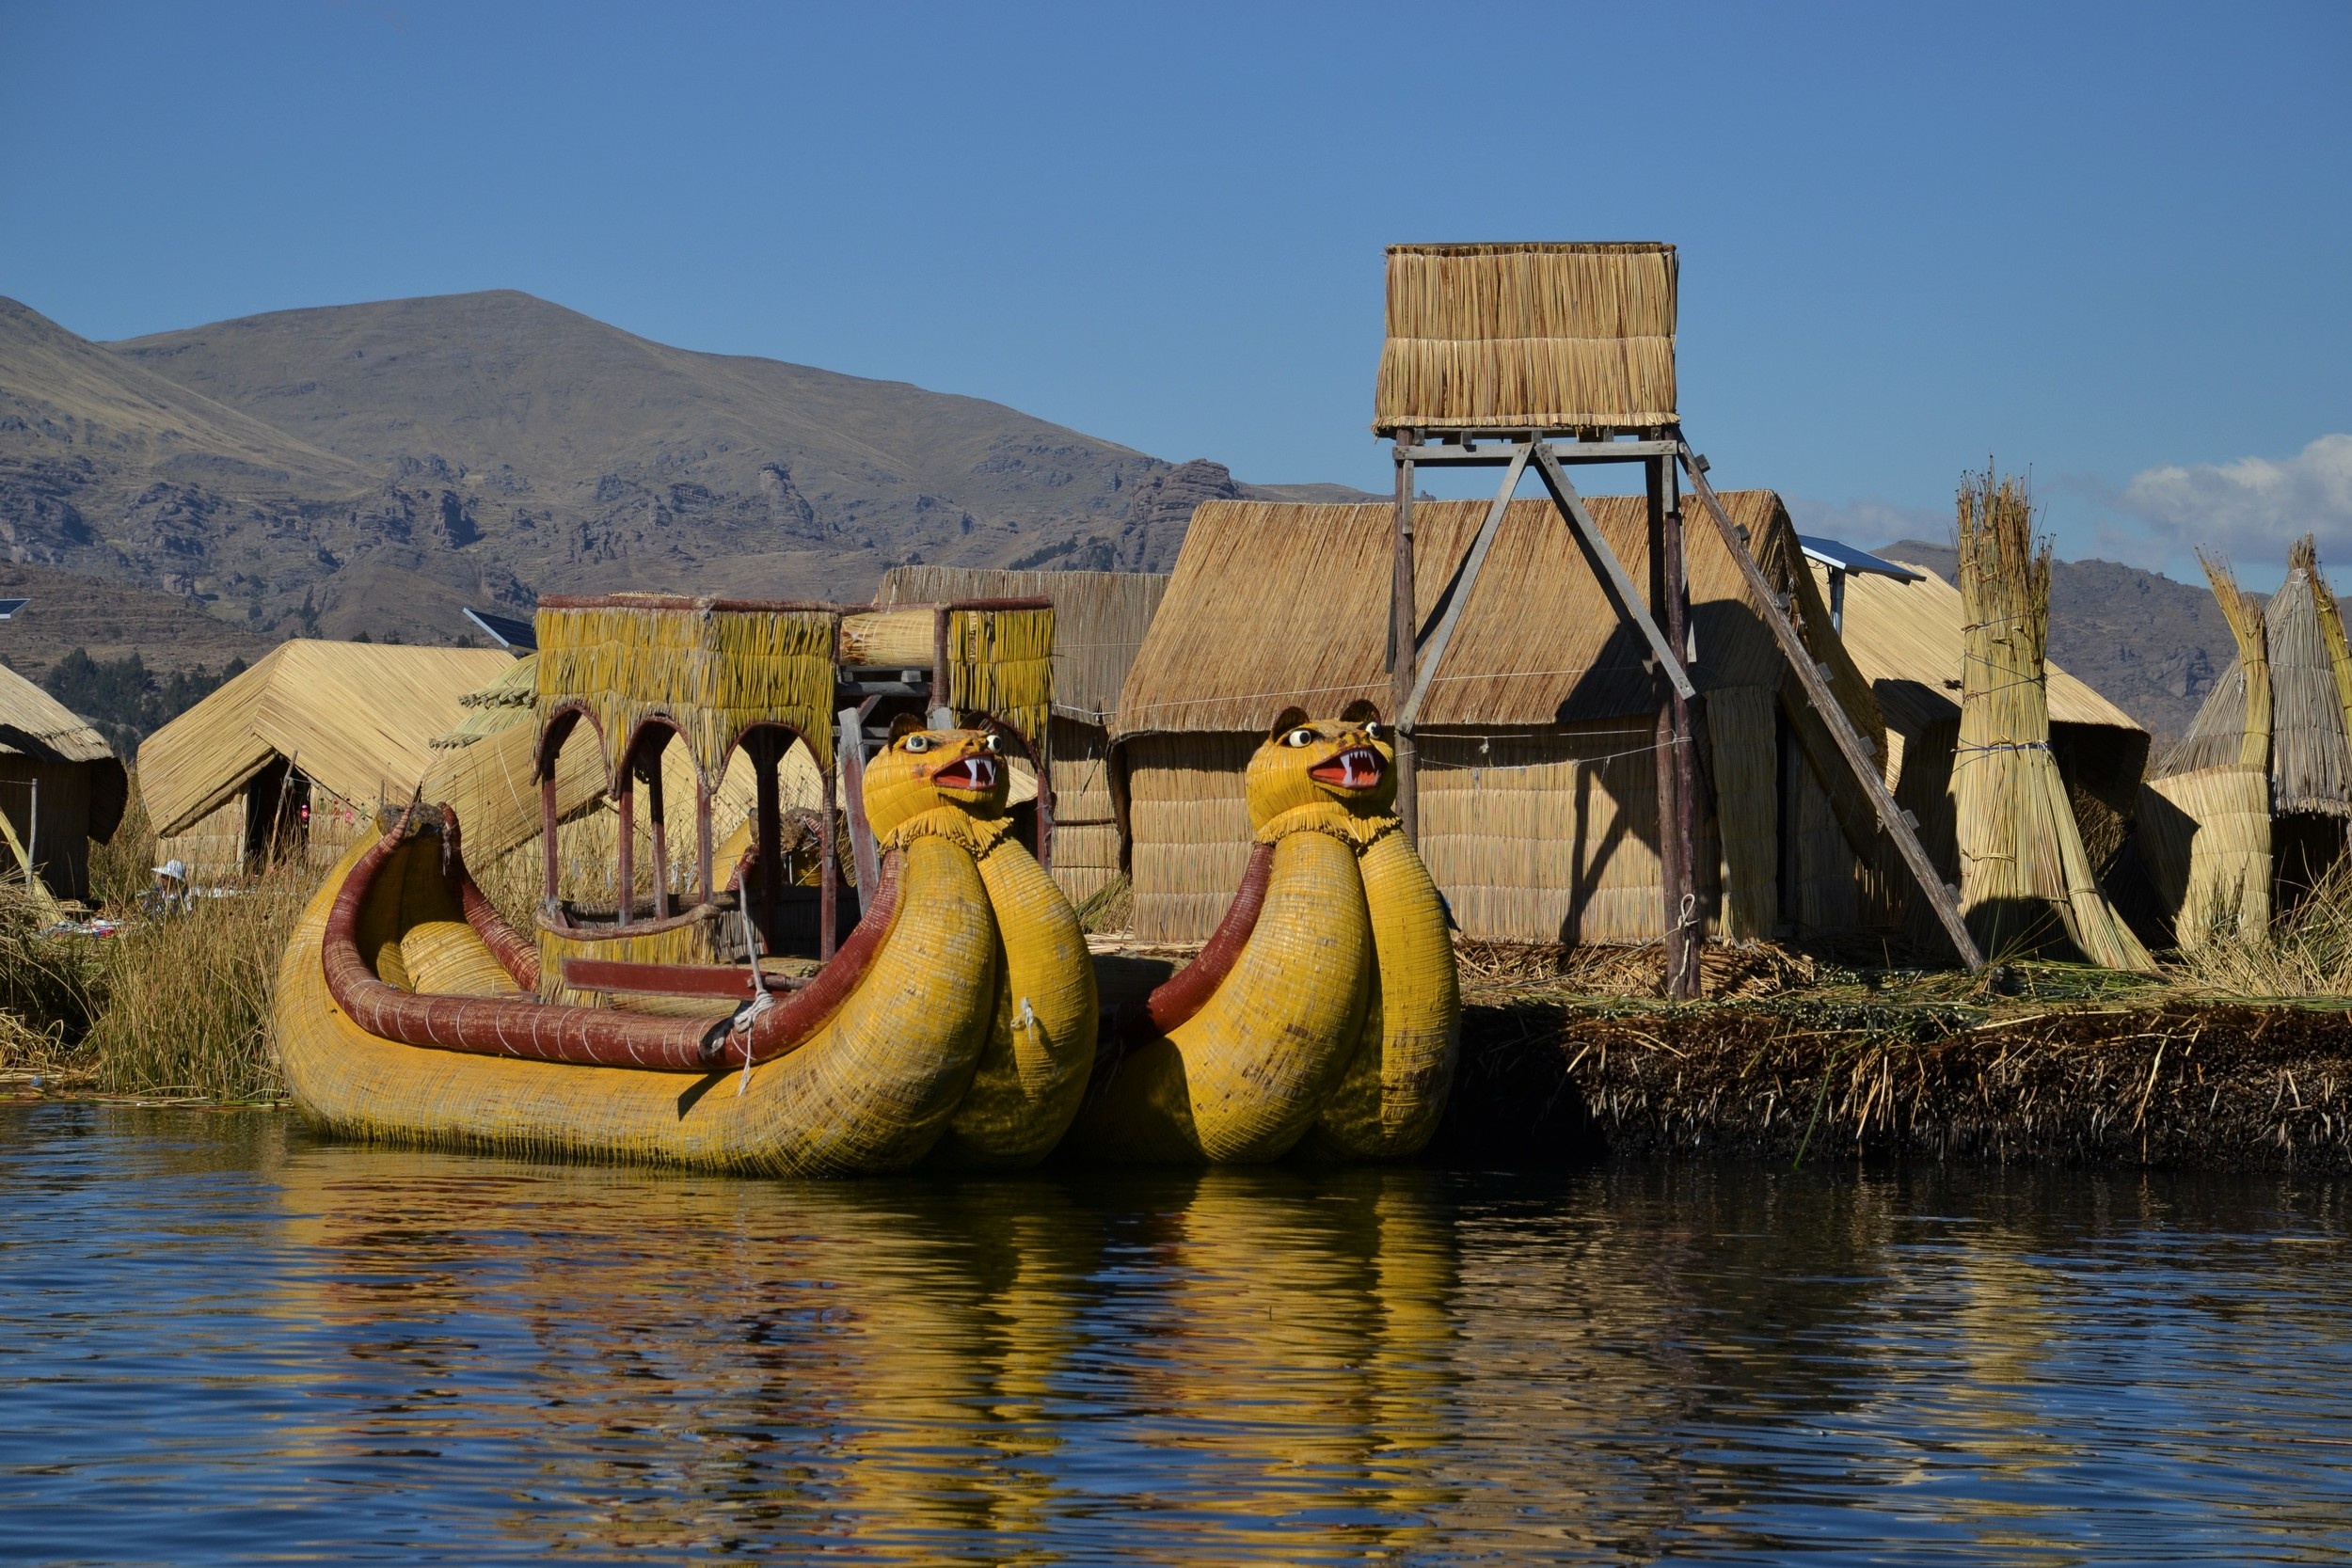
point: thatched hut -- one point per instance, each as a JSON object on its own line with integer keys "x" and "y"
{"x": 1100, "y": 618}
{"x": 61, "y": 785}
{"x": 1908, "y": 641}
{"x": 2290, "y": 704}
{"x": 291, "y": 756}
{"x": 1537, "y": 742}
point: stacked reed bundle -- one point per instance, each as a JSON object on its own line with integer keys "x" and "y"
{"x": 2021, "y": 852}
{"x": 1545, "y": 336}
{"x": 2332, "y": 635}
{"x": 2206, "y": 829}
{"x": 714, "y": 666}
{"x": 1000, "y": 662}
{"x": 503, "y": 704}
{"x": 2309, "y": 771}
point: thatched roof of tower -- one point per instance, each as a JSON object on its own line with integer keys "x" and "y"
{"x": 1547, "y": 335}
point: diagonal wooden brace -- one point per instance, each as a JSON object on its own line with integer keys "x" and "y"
{"x": 1458, "y": 592}
{"x": 1630, "y": 601}
{"x": 1849, "y": 742}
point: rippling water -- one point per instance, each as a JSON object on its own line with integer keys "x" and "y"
{"x": 223, "y": 1341}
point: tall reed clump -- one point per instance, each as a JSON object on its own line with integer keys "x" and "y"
{"x": 186, "y": 1011}
{"x": 2021, "y": 851}
{"x": 2307, "y": 953}
{"x": 2208, "y": 831}
{"x": 50, "y": 989}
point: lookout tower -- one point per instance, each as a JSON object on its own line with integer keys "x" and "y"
{"x": 1554, "y": 355}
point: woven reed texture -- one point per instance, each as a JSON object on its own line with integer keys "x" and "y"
{"x": 212, "y": 847}
{"x": 1086, "y": 826}
{"x": 2233, "y": 723}
{"x": 2309, "y": 764}
{"x": 684, "y": 940}
{"x": 870, "y": 1091}
{"x": 1000, "y": 662}
{"x": 904, "y": 640}
{"x": 2021, "y": 851}
{"x": 1388, "y": 1102}
{"x": 2332, "y": 637}
{"x": 1542, "y": 336}
{"x": 1100, "y": 618}
{"x": 1540, "y": 640}
{"x": 713, "y": 671}
{"x": 1742, "y": 727}
{"x": 357, "y": 717}
{"x": 1190, "y": 813}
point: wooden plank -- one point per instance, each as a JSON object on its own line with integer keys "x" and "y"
{"x": 1567, "y": 452}
{"x": 730, "y": 982}
{"x": 1597, "y": 548}
{"x": 1457, "y": 594}
{"x": 1850, "y": 743}
{"x": 1403, "y": 626}
{"x": 1678, "y": 785}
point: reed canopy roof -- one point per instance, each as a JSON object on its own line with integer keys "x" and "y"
{"x": 358, "y": 718}
{"x": 35, "y": 724}
{"x": 1100, "y": 618}
{"x": 1274, "y": 605}
{"x": 1546, "y": 336}
{"x": 1907, "y": 637}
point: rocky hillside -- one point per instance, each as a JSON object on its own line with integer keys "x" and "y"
{"x": 376, "y": 466}
{"x": 2151, "y": 646}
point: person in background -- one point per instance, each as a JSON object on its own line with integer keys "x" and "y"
{"x": 171, "y": 893}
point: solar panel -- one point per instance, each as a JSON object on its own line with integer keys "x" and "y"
{"x": 1842, "y": 557}
{"x": 509, "y": 632}
{"x": 9, "y": 607}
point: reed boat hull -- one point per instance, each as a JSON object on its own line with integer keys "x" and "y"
{"x": 870, "y": 1088}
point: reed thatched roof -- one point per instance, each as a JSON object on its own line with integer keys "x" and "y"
{"x": 1100, "y": 618}
{"x": 1547, "y": 336}
{"x": 2311, "y": 764}
{"x": 1273, "y": 605}
{"x": 358, "y": 718}
{"x": 35, "y": 724}
{"x": 1906, "y": 639}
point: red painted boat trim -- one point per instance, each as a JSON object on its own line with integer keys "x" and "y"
{"x": 548, "y": 1032}
{"x": 1188, "y": 990}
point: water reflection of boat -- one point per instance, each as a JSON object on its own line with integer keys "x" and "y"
{"x": 959, "y": 1017}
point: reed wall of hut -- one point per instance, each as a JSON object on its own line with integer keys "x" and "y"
{"x": 1538, "y": 768}
{"x": 61, "y": 785}
{"x": 337, "y": 727}
{"x": 1100, "y": 618}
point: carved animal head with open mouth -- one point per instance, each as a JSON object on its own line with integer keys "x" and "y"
{"x": 922, "y": 768}
{"x": 1304, "y": 760}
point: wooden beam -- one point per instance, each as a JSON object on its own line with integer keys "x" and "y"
{"x": 1678, "y": 783}
{"x": 1457, "y": 594}
{"x": 1495, "y": 457}
{"x": 1402, "y": 626}
{"x": 1604, "y": 560}
{"x": 1849, "y": 742}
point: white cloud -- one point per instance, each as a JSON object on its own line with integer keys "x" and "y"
{"x": 2253, "y": 507}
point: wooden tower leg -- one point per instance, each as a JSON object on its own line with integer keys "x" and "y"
{"x": 1677, "y": 791}
{"x": 769, "y": 812}
{"x": 1401, "y": 631}
{"x": 657, "y": 832}
{"x": 625, "y": 858}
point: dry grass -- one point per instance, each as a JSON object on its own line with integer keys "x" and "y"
{"x": 2307, "y": 953}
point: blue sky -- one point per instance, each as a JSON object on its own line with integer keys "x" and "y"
{"x": 2113, "y": 245}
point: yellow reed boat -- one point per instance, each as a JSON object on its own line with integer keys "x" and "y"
{"x": 955, "y": 1024}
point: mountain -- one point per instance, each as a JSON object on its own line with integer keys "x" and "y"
{"x": 2151, "y": 646}
{"x": 376, "y": 466}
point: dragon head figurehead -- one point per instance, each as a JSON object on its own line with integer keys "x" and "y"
{"x": 1344, "y": 768}
{"x": 924, "y": 771}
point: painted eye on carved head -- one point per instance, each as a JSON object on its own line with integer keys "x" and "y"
{"x": 989, "y": 741}
{"x": 917, "y": 742}
{"x": 1372, "y": 729}
{"x": 1299, "y": 737}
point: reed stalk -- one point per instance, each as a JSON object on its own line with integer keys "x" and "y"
{"x": 2023, "y": 865}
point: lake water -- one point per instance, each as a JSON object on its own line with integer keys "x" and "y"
{"x": 221, "y": 1340}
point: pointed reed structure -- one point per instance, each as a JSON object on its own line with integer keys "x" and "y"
{"x": 2205, "y": 815}
{"x": 2022, "y": 860}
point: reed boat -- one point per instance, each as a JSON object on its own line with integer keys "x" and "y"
{"x": 1324, "y": 1016}
{"x": 955, "y": 1023}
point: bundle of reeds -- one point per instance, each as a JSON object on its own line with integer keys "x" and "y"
{"x": 2331, "y": 632}
{"x": 2208, "y": 831}
{"x": 1551, "y": 336}
{"x": 2020, "y": 853}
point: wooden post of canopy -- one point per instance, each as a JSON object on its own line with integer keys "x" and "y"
{"x": 1678, "y": 836}
{"x": 625, "y": 858}
{"x": 768, "y": 814}
{"x": 657, "y": 833}
{"x": 548, "y": 815}
{"x": 1402, "y": 632}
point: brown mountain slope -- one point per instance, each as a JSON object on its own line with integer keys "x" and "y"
{"x": 2148, "y": 644}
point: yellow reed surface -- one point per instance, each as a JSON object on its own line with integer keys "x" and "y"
{"x": 1041, "y": 1047}
{"x": 871, "y": 1090}
{"x": 1388, "y": 1102}
{"x": 1244, "y": 1078}
{"x": 2207, "y": 838}
{"x": 689, "y": 941}
{"x": 1341, "y": 1015}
